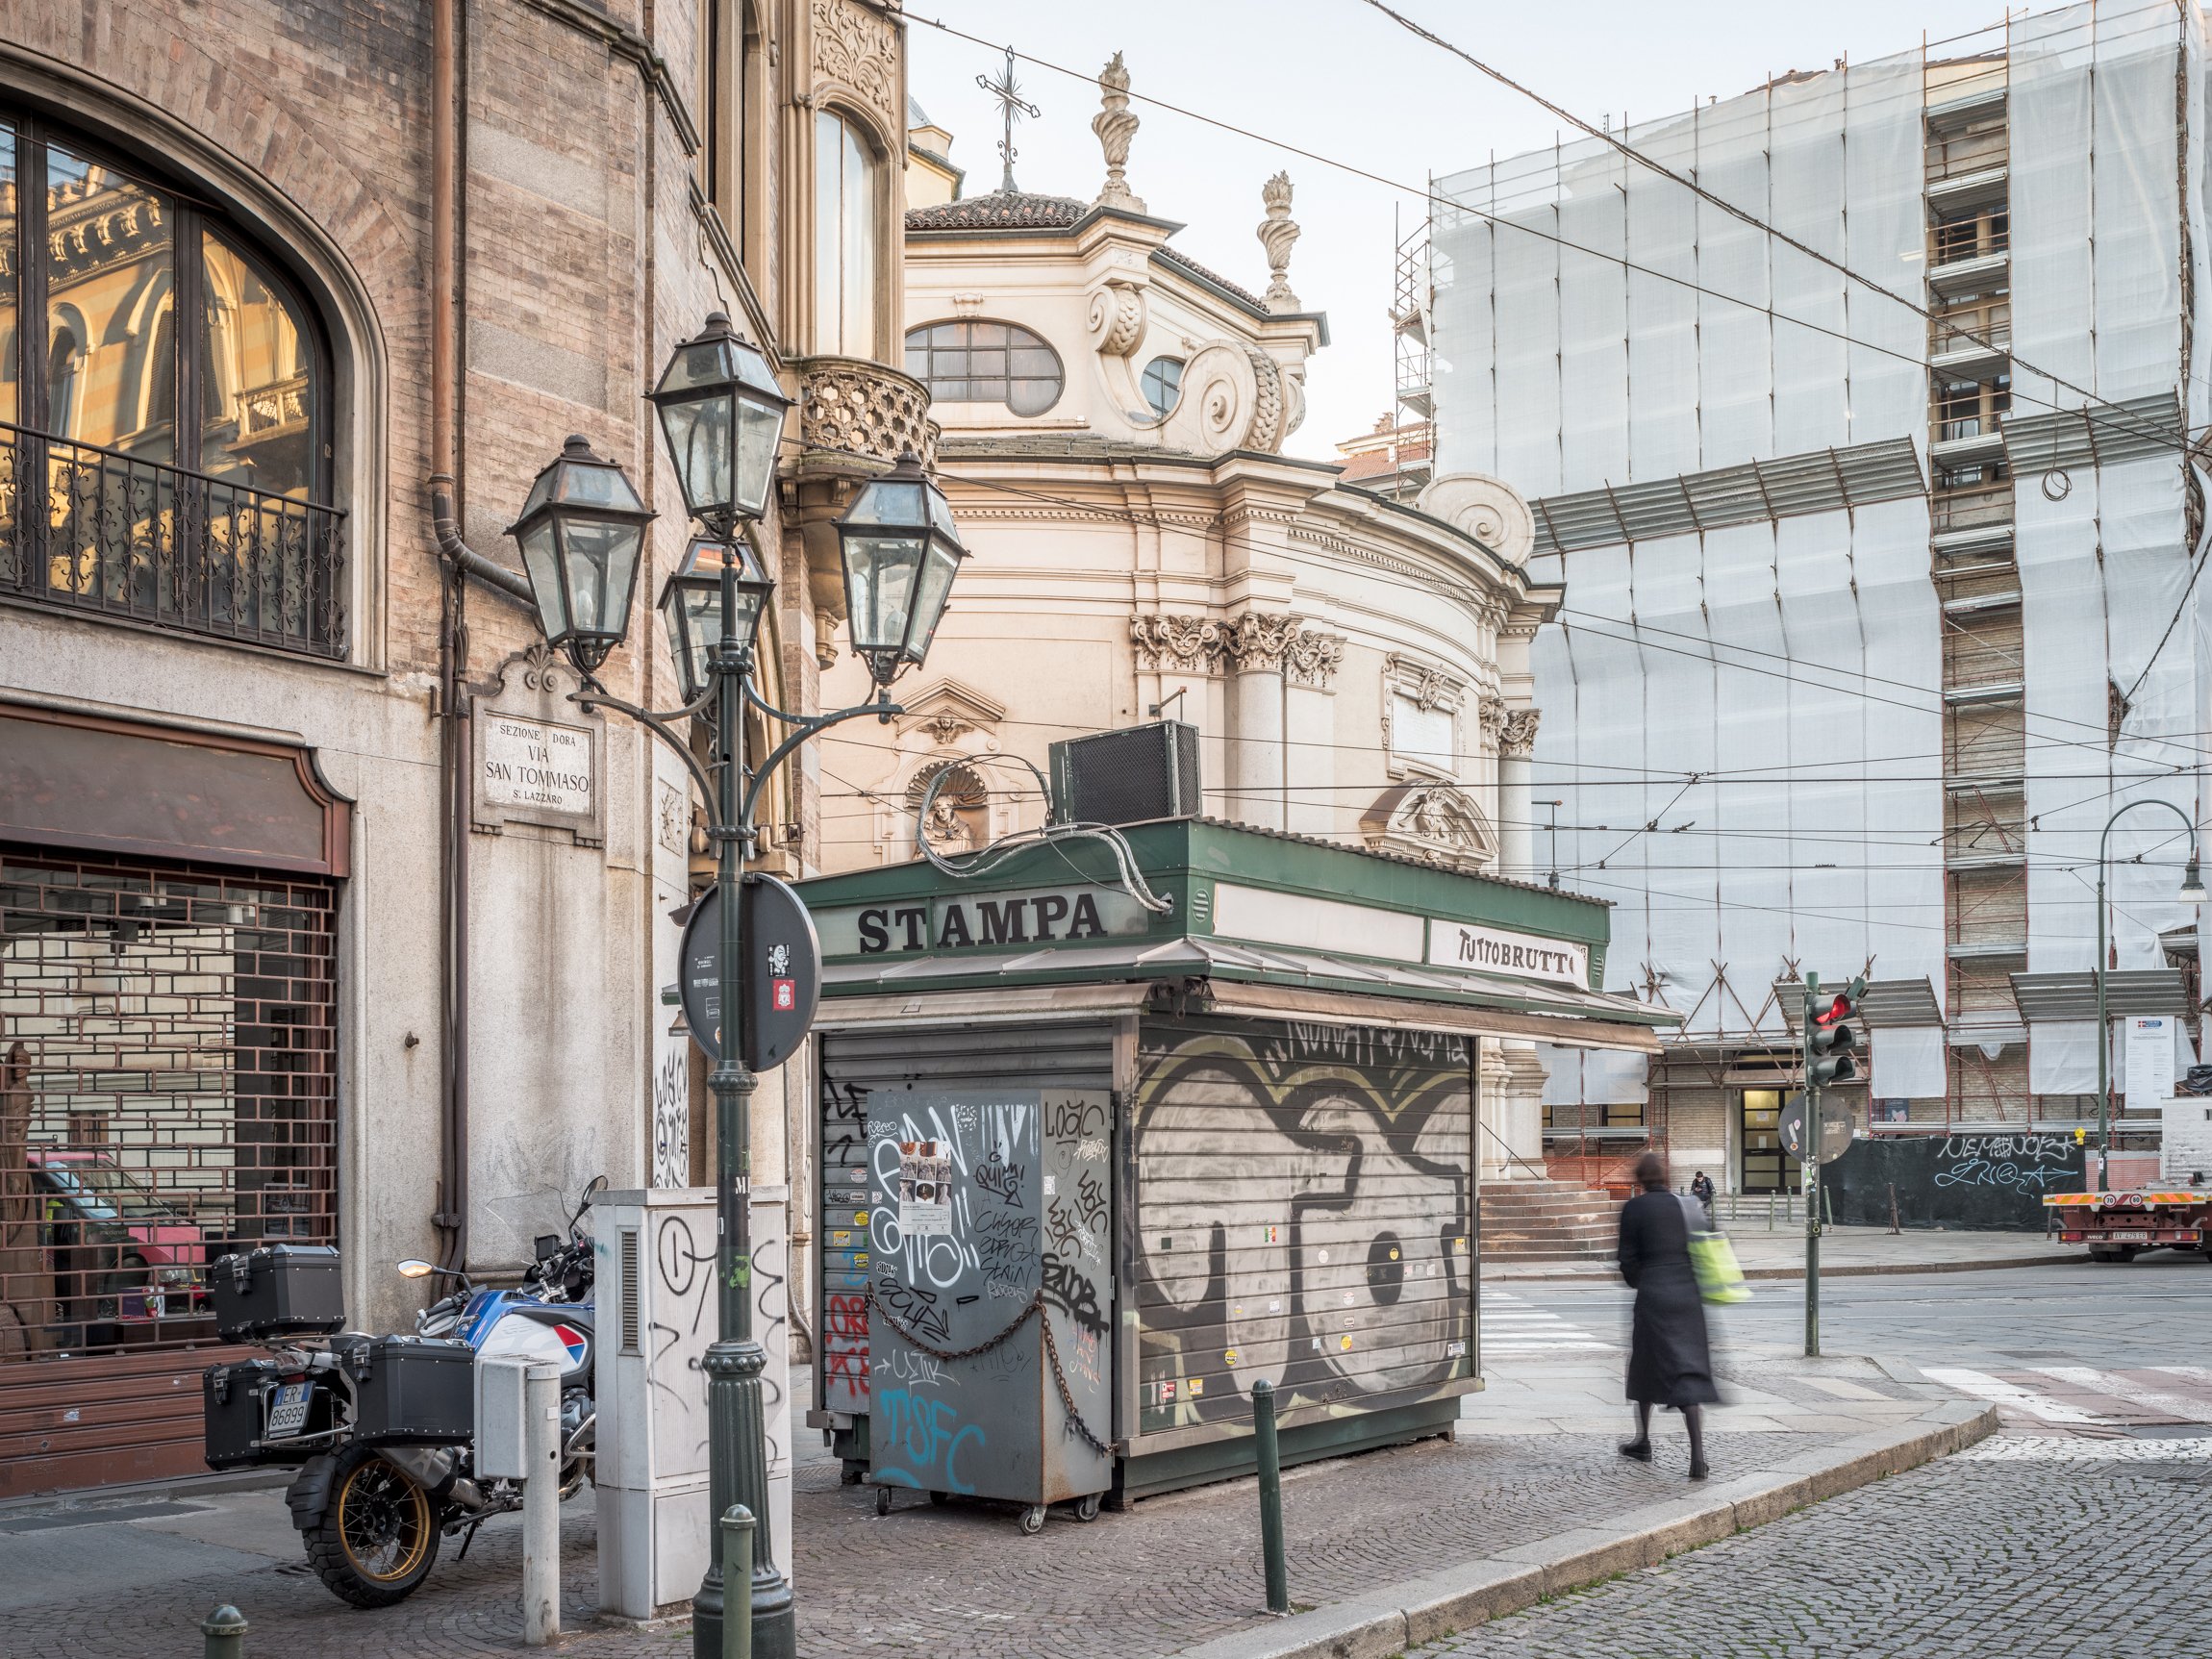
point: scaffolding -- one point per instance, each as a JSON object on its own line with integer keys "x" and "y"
{"x": 1835, "y": 691}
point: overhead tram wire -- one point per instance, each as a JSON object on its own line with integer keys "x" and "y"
{"x": 2161, "y": 439}
{"x": 1743, "y": 214}
{"x": 1471, "y": 596}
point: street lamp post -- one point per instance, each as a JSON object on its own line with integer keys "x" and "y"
{"x": 2191, "y": 893}
{"x": 582, "y": 532}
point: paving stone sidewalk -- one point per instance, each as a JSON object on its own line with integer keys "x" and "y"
{"x": 1779, "y": 1252}
{"x": 1534, "y": 1459}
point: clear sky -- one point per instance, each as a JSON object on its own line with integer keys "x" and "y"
{"x": 1338, "y": 78}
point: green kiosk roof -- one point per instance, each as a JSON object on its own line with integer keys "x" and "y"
{"x": 1269, "y": 922}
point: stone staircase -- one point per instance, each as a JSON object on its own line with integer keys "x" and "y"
{"x": 1547, "y": 1221}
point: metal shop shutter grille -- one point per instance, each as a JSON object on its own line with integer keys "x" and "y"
{"x": 1303, "y": 1207}
{"x": 1065, "y": 1054}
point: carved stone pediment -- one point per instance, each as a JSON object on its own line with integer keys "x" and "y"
{"x": 948, "y": 708}
{"x": 1431, "y": 820}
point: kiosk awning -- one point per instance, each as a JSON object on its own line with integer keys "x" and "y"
{"x": 1247, "y": 979}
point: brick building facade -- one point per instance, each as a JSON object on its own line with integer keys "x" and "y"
{"x": 285, "y": 954}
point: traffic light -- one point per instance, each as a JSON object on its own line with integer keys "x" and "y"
{"x": 1831, "y": 1043}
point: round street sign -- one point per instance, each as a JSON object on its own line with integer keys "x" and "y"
{"x": 781, "y": 979}
{"x": 1835, "y": 1129}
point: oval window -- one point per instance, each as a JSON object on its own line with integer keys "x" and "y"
{"x": 971, "y": 362}
{"x": 1163, "y": 383}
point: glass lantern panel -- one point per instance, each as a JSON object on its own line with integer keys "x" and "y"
{"x": 543, "y": 564}
{"x": 930, "y": 593}
{"x": 688, "y": 656}
{"x": 699, "y": 435}
{"x": 887, "y": 501}
{"x": 940, "y": 517}
{"x": 704, "y": 363}
{"x": 879, "y": 588}
{"x": 596, "y": 486}
{"x": 599, "y": 555}
{"x": 760, "y": 429}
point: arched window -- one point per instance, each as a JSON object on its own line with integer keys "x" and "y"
{"x": 967, "y": 362}
{"x": 1163, "y": 383}
{"x": 171, "y": 393}
{"x": 844, "y": 238}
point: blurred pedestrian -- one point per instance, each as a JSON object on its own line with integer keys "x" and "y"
{"x": 1669, "y": 1358}
{"x": 1701, "y": 1190}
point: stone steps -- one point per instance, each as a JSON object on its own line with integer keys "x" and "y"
{"x": 1547, "y": 1221}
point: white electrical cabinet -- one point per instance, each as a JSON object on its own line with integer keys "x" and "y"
{"x": 656, "y": 1317}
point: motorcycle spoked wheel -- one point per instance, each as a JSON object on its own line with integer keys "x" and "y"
{"x": 377, "y": 1539}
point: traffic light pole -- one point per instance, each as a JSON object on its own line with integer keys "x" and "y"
{"x": 1809, "y": 1163}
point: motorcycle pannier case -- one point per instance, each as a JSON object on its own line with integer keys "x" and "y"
{"x": 280, "y": 1290}
{"x": 232, "y": 1408}
{"x": 413, "y": 1391}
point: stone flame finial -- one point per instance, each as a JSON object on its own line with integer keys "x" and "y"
{"x": 1276, "y": 234}
{"x": 1116, "y": 126}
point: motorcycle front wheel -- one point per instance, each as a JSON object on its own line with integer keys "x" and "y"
{"x": 377, "y": 1538}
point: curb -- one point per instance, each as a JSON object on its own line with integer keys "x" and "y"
{"x": 1388, "y": 1621}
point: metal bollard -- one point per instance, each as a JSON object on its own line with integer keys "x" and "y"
{"x": 1270, "y": 1495}
{"x": 737, "y": 1582}
{"x": 542, "y": 1506}
{"x": 225, "y": 1631}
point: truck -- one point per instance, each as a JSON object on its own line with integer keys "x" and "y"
{"x": 2117, "y": 1226}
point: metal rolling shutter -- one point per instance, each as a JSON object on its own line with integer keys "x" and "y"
{"x": 1046, "y": 1054}
{"x": 1303, "y": 1204}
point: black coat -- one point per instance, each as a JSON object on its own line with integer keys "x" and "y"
{"x": 1669, "y": 1360}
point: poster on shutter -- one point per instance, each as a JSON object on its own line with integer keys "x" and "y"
{"x": 2150, "y": 1060}
{"x": 924, "y": 1189}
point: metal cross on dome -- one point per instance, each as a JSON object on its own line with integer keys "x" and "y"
{"x": 1012, "y": 107}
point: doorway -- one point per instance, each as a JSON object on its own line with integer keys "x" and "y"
{"x": 1765, "y": 1167}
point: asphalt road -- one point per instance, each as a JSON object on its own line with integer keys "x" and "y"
{"x": 2084, "y": 1530}
{"x": 2154, "y": 1311}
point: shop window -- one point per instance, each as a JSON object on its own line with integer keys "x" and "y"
{"x": 968, "y": 362}
{"x": 846, "y": 193}
{"x": 165, "y": 407}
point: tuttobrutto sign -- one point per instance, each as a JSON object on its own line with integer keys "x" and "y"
{"x": 980, "y": 921}
{"x": 1495, "y": 950}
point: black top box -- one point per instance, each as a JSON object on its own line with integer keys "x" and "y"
{"x": 278, "y": 1291}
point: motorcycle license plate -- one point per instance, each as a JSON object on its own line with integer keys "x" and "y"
{"x": 287, "y": 1412}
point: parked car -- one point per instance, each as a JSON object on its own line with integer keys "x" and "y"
{"x": 121, "y": 1256}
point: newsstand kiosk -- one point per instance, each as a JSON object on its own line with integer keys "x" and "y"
{"x": 1090, "y": 1164}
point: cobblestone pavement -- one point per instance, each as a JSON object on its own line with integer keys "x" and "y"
{"x": 2045, "y": 1547}
{"x": 1167, "y": 1574}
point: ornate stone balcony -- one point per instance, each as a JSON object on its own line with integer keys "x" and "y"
{"x": 853, "y": 412}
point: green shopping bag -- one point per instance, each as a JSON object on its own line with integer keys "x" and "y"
{"x": 1712, "y": 1258}
{"x": 1720, "y": 1279}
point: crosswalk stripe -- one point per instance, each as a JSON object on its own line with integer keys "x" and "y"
{"x": 2135, "y": 1394}
{"x": 2187, "y": 1374}
{"x": 2054, "y": 1448}
{"x": 1982, "y": 1386}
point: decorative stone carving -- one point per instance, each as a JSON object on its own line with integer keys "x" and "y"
{"x": 1492, "y": 715}
{"x": 851, "y": 406}
{"x": 958, "y": 815}
{"x": 1428, "y": 686}
{"x": 1116, "y": 126}
{"x": 1168, "y": 645}
{"x": 1518, "y": 741}
{"x": 1232, "y": 398}
{"x": 1313, "y": 660}
{"x": 1277, "y": 232}
{"x": 859, "y": 47}
{"x": 1487, "y": 509}
{"x": 1258, "y": 643}
{"x": 1117, "y": 316}
{"x": 948, "y": 708}
{"x": 1430, "y": 821}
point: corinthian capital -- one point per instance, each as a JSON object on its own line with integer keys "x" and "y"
{"x": 1519, "y": 738}
{"x": 1258, "y": 643}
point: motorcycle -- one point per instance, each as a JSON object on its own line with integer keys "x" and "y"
{"x": 373, "y": 1516}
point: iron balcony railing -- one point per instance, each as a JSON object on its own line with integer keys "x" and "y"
{"x": 88, "y": 528}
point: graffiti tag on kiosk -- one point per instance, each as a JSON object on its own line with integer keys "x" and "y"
{"x": 927, "y": 1434}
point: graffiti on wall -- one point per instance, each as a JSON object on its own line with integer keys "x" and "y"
{"x": 1304, "y": 1213}
{"x": 673, "y": 1119}
{"x": 1026, "y": 1218}
{"x": 845, "y": 1212}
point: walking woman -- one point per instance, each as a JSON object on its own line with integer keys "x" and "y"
{"x": 1669, "y": 1360}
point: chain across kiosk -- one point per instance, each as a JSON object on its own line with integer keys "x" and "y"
{"x": 1122, "y": 1126}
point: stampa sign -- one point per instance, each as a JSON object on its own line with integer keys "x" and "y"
{"x": 981, "y": 922}
{"x": 1495, "y": 950}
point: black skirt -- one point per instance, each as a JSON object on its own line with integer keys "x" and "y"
{"x": 1670, "y": 1355}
